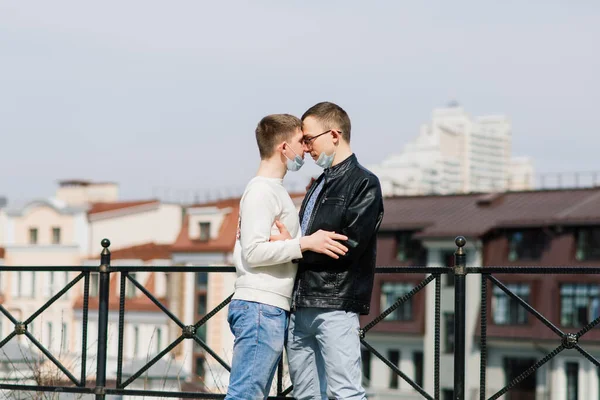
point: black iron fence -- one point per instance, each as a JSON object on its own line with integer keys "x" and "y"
{"x": 99, "y": 387}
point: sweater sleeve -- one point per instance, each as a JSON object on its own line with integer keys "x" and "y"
{"x": 259, "y": 209}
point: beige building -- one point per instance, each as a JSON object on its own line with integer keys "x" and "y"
{"x": 43, "y": 233}
{"x": 66, "y": 231}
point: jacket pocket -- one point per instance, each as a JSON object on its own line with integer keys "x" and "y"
{"x": 334, "y": 200}
{"x": 330, "y": 214}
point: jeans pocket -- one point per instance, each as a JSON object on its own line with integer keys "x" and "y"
{"x": 236, "y": 317}
{"x": 271, "y": 311}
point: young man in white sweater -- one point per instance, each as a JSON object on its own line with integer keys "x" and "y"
{"x": 259, "y": 311}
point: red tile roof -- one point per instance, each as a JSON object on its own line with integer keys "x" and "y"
{"x": 113, "y": 206}
{"x": 476, "y": 214}
{"x": 1, "y": 252}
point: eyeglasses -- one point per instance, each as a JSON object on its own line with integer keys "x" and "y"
{"x": 308, "y": 140}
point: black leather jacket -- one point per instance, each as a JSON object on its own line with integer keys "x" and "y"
{"x": 349, "y": 203}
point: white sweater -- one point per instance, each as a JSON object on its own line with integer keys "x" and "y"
{"x": 265, "y": 273}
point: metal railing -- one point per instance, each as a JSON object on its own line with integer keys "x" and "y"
{"x": 99, "y": 386}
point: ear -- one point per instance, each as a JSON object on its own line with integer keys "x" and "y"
{"x": 336, "y": 136}
{"x": 280, "y": 147}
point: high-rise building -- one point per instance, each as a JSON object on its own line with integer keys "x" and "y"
{"x": 456, "y": 153}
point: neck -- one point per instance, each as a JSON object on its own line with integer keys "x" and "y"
{"x": 342, "y": 152}
{"x": 271, "y": 168}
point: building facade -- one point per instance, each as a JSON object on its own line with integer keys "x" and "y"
{"x": 531, "y": 228}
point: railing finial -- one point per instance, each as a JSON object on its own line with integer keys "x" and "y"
{"x": 460, "y": 242}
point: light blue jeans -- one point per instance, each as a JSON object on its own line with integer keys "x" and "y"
{"x": 323, "y": 350}
{"x": 260, "y": 331}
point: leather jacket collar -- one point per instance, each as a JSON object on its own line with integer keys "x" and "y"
{"x": 341, "y": 168}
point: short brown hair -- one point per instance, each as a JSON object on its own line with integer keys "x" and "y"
{"x": 272, "y": 130}
{"x": 331, "y": 116}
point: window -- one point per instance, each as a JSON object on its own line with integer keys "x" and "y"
{"x": 513, "y": 367}
{"x": 200, "y": 334}
{"x": 448, "y": 260}
{"x": 94, "y": 284}
{"x": 204, "y": 231}
{"x": 51, "y": 283}
{"x": 158, "y": 340}
{"x": 201, "y": 280}
{"x": 447, "y": 394}
{"x": 136, "y": 341}
{"x": 449, "y": 332}
{"x": 588, "y": 244}
{"x": 199, "y": 368}
{"x": 48, "y": 335}
{"x": 390, "y": 293}
{"x": 508, "y": 311}
{"x": 579, "y": 304}
{"x": 572, "y": 369}
{"x": 365, "y": 356}
{"x": 418, "y": 365}
{"x": 168, "y": 282}
{"x": 55, "y": 235}
{"x": 33, "y": 291}
{"x": 201, "y": 305}
{"x": 130, "y": 287}
{"x": 33, "y": 235}
{"x": 527, "y": 244}
{"x": 394, "y": 357}
{"x": 64, "y": 337}
{"x": 408, "y": 249}
{"x": 20, "y": 283}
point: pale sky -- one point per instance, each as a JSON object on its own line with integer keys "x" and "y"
{"x": 167, "y": 94}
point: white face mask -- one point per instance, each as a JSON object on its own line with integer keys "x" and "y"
{"x": 324, "y": 161}
{"x": 296, "y": 163}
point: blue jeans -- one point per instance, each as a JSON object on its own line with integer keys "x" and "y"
{"x": 323, "y": 352}
{"x": 260, "y": 331}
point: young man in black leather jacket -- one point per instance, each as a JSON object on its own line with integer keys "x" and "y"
{"x": 329, "y": 294}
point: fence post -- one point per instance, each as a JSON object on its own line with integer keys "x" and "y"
{"x": 103, "y": 294}
{"x": 460, "y": 272}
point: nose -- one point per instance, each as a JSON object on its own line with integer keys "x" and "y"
{"x": 305, "y": 148}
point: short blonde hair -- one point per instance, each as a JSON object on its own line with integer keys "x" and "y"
{"x": 272, "y": 130}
